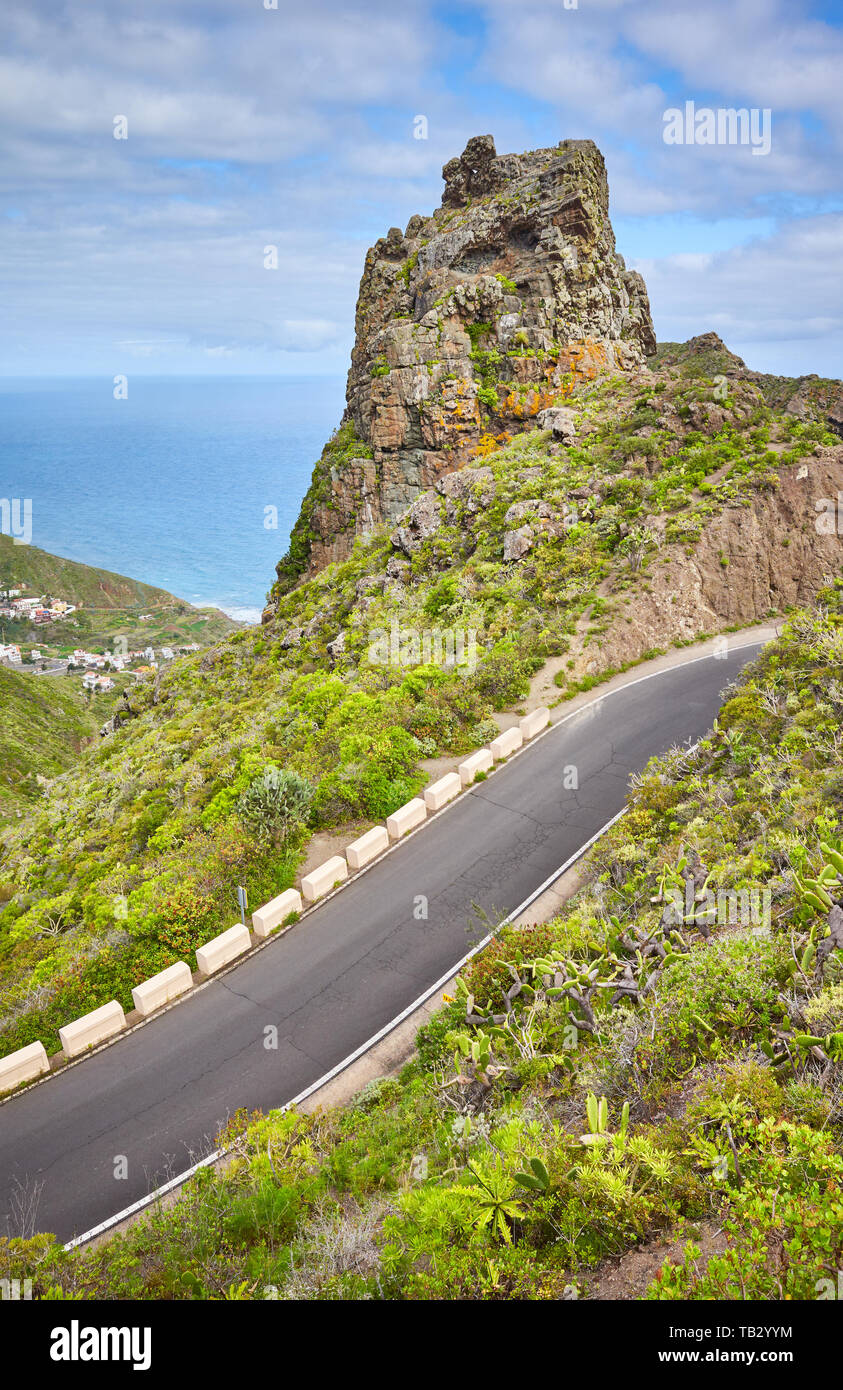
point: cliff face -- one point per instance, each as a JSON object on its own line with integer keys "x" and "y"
{"x": 468, "y": 324}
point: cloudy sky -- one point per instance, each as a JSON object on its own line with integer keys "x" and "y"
{"x": 250, "y": 126}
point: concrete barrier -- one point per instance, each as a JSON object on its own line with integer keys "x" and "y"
{"x": 223, "y": 948}
{"x": 534, "y": 722}
{"x": 272, "y": 914}
{"x": 443, "y": 791}
{"x": 321, "y": 881}
{"x": 481, "y": 761}
{"x": 23, "y": 1065}
{"x": 406, "y": 818}
{"x": 368, "y": 847}
{"x": 506, "y": 743}
{"x": 159, "y": 989}
{"x": 92, "y": 1028}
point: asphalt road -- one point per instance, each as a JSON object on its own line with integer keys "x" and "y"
{"x": 158, "y": 1095}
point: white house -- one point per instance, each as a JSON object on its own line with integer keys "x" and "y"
{"x": 83, "y": 658}
{"x": 91, "y": 681}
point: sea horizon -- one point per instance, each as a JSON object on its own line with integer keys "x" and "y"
{"x": 191, "y": 483}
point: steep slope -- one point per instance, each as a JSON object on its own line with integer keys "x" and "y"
{"x": 656, "y": 1069}
{"x": 468, "y": 324}
{"x": 43, "y": 726}
{"x": 553, "y": 556}
{"x": 72, "y": 581}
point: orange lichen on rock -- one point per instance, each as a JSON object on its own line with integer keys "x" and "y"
{"x": 459, "y": 321}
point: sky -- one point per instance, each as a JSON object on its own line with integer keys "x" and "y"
{"x": 267, "y": 123}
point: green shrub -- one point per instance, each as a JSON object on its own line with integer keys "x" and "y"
{"x": 275, "y": 805}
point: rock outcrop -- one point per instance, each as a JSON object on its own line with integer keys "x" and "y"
{"x": 469, "y": 324}
{"x": 750, "y": 562}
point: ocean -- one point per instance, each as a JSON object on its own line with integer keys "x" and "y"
{"x": 180, "y": 485}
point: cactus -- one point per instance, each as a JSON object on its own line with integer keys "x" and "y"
{"x": 833, "y": 857}
{"x": 536, "y": 1181}
{"x": 597, "y": 1116}
{"x": 816, "y": 892}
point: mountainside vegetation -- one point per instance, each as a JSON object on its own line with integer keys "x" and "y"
{"x": 26, "y": 565}
{"x": 538, "y": 552}
{"x": 108, "y": 604}
{"x": 43, "y": 727}
{"x": 644, "y": 1068}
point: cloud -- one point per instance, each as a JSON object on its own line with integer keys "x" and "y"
{"x": 307, "y": 335}
{"x": 293, "y": 127}
{"x": 770, "y": 291}
{"x": 611, "y": 68}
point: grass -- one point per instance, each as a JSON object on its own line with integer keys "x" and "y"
{"x": 542, "y": 1131}
{"x": 154, "y": 807}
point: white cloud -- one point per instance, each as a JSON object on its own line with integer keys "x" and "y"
{"x": 294, "y": 128}
{"x": 773, "y": 290}
{"x": 307, "y": 335}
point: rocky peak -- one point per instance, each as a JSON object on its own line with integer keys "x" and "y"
{"x": 473, "y": 173}
{"x": 468, "y": 325}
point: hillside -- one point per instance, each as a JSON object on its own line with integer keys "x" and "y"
{"x": 46, "y": 721}
{"x": 654, "y": 514}
{"x": 43, "y": 726}
{"x": 109, "y": 603}
{"x": 26, "y": 565}
{"x": 525, "y": 496}
{"x": 639, "y": 1100}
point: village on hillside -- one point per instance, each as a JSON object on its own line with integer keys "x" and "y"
{"x": 51, "y": 657}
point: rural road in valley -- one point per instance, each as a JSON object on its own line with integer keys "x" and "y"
{"x": 158, "y": 1095}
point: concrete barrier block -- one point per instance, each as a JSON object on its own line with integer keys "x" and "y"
{"x": 368, "y": 847}
{"x": 440, "y": 793}
{"x": 223, "y": 948}
{"x": 92, "y": 1028}
{"x": 272, "y": 914}
{"x": 159, "y": 989}
{"x": 506, "y": 743}
{"x": 321, "y": 881}
{"x": 534, "y": 722}
{"x": 481, "y": 761}
{"x": 406, "y": 818}
{"x": 24, "y": 1065}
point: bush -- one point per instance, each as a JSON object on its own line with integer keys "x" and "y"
{"x": 275, "y": 805}
{"x": 825, "y": 1013}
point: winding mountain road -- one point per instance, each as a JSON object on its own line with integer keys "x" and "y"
{"x": 157, "y": 1096}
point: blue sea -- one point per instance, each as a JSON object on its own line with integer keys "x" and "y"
{"x": 174, "y": 485}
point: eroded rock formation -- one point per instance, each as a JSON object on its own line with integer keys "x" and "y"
{"x": 468, "y": 325}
